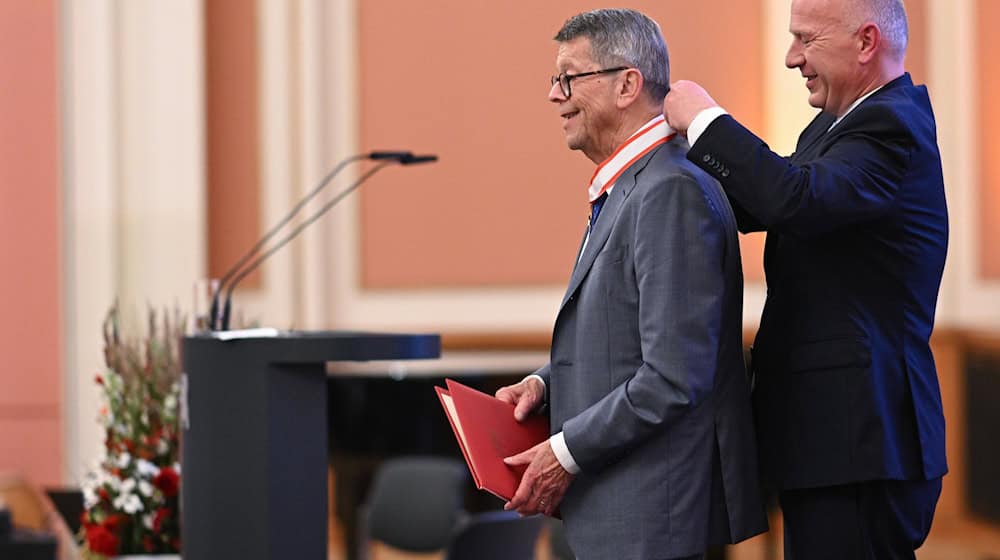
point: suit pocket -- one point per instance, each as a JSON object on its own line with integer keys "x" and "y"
{"x": 833, "y": 353}
{"x": 610, "y": 256}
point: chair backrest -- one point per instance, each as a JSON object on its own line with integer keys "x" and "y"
{"x": 31, "y": 509}
{"x": 415, "y": 503}
{"x": 496, "y": 535}
{"x": 558, "y": 547}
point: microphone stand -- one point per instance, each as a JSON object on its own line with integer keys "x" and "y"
{"x": 224, "y": 323}
{"x": 215, "y": 317}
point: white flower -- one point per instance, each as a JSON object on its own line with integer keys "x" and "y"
{"x": 145, "y": 488}
{"x": 147, "y": 521}
{"x": 146, "y": 469}
{"x": 90, "y": 498}
{"x": 128, "y": 485}
{"x": 132, "y": 504}
{"x": 162, "y": 446}
{"x": 123, "y": 460}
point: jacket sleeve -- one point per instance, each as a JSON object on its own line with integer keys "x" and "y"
{"x": 855, "y": 180}
{"x": 679, "y": 262}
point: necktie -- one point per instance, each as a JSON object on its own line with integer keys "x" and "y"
{"x": 595, "y": 208}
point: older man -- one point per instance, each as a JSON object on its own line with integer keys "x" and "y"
{"x": 848, "y": 407}
{"x": 652, "y": 455}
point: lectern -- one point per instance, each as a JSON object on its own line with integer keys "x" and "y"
{"x": 254, "y": 447}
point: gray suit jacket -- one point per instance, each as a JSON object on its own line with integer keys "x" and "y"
{"x": 647, "y": 379}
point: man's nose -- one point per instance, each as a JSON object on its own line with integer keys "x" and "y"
{"x": 794, "y": 58}
{"x": 556, "y": 94}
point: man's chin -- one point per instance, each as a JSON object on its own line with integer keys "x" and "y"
{"x": 816, "y": 100}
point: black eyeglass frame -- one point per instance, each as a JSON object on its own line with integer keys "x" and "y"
{"x": 564, "y": 79}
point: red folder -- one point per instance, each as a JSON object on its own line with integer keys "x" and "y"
{"x": 487, "y": 432}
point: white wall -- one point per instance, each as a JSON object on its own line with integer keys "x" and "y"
{"x": 134, "y": 180}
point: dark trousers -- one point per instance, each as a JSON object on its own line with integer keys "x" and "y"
{"x": 879, "y": 520}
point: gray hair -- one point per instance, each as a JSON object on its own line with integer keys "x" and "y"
{"x": 624, "y": 37}
{"x": 889, "y": 16}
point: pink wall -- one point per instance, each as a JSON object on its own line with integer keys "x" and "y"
{"x": 988, "y": 74}
{"x": 232, "y": 134}
{"x": 30, "y": 205}
{"x": 506, "y": 204}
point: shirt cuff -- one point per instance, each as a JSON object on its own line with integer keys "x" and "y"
{"x": 701, "y": 121}
{"x": 558, "y": 443}
{"x": 545, "y": 389}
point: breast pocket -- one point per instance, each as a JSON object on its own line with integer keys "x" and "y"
{"x": 611, "y": 256}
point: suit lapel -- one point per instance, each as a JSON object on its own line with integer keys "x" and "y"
{"x": 605, "y": 223}
{"x": 811, "y": 136}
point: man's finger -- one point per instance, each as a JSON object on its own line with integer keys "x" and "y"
{"x": 524, "y": 407}
{"x": 522, "y": 458}
{"x": 522, "y": 495}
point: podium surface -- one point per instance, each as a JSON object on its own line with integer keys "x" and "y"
{"x": 254, "y": 438}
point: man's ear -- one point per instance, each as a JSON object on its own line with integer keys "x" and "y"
{"x": 629, "y": 87}
{"x": 869, "y": 42}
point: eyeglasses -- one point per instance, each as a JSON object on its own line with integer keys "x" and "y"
{"x": 564, "y": 79}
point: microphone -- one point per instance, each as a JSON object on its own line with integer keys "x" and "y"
{"x": 220, "y": 321}
{"x": 390, "y": 155}
{"x": 411, "y": 159}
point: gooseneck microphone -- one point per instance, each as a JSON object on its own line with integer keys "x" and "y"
{"x": 219, "y": 319}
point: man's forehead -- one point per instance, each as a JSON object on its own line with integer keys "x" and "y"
{"x": 574, "y": 52}
{"x": 815, "y": 13}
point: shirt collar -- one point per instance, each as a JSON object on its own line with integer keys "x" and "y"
{"x": 854, "y": 106}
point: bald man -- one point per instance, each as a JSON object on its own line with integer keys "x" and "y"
{"x": 847, "y": 404}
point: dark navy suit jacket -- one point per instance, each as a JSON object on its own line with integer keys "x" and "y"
{"x": 846, "y": 388}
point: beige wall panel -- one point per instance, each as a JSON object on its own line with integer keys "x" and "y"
{"x": 506, "y": 205}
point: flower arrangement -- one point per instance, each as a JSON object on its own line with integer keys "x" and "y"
{"x": 131, "y": 497}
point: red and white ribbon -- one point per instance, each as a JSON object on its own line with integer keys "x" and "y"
{"x": 651, "y": 135}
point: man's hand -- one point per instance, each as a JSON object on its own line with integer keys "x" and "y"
{"x": 544, "y": 482}
{"x": 684, "y": 102}
{"x": 526, "y": 396}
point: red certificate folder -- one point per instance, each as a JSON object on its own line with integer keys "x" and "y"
{"x": 487, "y": 432}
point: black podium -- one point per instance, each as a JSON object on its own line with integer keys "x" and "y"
{"x": 254, "y": 448}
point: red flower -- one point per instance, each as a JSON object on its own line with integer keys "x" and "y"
{"x": 99, "y": 380}
{"x": 168, "y": 481}
{"x": 147, "y": 543}
{"x": 115, "y": 521}
{"x": 102, "y": 493}
{"x": 162, "y": 515}
{"x": 101, "y": 540}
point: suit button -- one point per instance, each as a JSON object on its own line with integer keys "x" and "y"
{"x": 706, "y": 158}
{"x": 725, "y": 173}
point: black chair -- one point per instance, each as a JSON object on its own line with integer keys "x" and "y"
{"x": 496, "y": 535}
{"x": 558, "y": 547}
{"x": 415, "y": 504}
